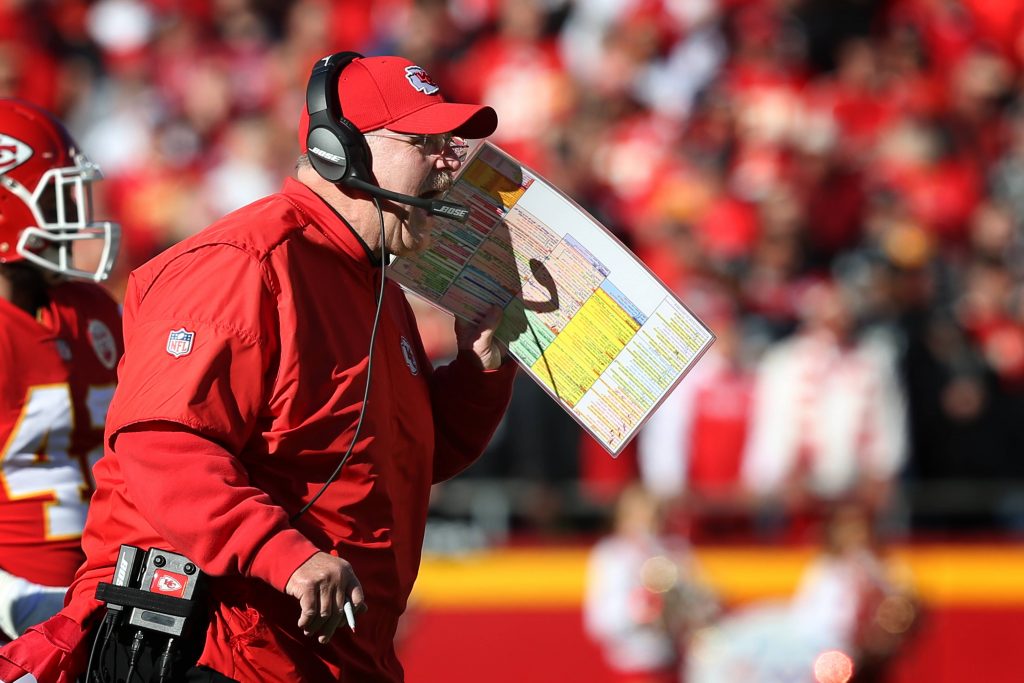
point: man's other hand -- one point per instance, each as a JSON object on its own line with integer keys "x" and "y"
{"x": 480, "y": 339}
{"x": 322, "y": 584}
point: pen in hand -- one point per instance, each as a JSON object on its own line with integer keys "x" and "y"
{"x": 350, "y": 616}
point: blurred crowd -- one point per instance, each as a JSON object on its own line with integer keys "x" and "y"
{"x": 836, "y": 187}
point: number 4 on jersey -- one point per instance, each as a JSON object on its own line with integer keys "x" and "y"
{"x": 36, "y": 460}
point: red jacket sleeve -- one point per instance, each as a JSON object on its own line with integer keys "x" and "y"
{"x": 199, "y": 346}
{"x": 200, "y": 349}
{"x": 197, "y": 496}
{"x": 468, "y": 404}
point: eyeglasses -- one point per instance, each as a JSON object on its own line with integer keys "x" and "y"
{"x": 436, "y": 144}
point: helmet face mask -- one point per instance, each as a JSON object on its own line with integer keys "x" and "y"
{"x": 45, "y": 195}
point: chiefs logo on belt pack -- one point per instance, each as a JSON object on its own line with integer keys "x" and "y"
{"x": 179, "y": 342}
{"x": 168, "y": 583}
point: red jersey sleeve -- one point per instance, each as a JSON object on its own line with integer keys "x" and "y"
{"x": 56, "y": 378}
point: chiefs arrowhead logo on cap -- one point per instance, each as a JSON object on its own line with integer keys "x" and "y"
{"x": 13, "y": 153}
{"x": 421, "y": 80}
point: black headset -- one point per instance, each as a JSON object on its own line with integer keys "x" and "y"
{"x": 337, "y": 149}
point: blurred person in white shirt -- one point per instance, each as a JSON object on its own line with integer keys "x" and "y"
{"x": 829, "y": 417}
{"x": 642, "y": 596}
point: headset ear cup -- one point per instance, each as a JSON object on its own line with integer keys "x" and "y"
{"x": 327, "y": 171}
{"x": 357, "y": 151}
{"x": 336, "y": 148}
{"x": 328, "y": 154}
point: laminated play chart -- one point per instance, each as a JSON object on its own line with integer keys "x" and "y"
{"x": 582, "y": 315}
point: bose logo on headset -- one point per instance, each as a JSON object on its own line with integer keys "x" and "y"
{"x": 333, "y": 158}
{"x": 459, "y": 212}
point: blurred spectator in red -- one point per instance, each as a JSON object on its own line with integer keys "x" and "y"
{"x": 1002, "y": 24}
{"x": 979, "y": 85}
{"x": 946, "y": 27}
{"x": 27, "y": 72}
{"x": 990, "y": 307}
{"x": 691, "y": 449}
{"x": 773, "y": 278}
{"x": 633, "y": 162}
{"x": 832, "y": 197}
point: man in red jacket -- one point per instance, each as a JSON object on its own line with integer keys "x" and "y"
{"x": 263, "y": 353}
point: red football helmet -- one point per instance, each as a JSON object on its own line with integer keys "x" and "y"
{"x": 45, "y": 194}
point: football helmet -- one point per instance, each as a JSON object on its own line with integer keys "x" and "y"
{"x": 46, "y": 194}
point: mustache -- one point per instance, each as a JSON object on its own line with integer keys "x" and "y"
{"x": 440, "y": 182}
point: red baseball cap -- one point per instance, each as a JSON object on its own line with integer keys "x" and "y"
{"x": 394, "y": 93}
